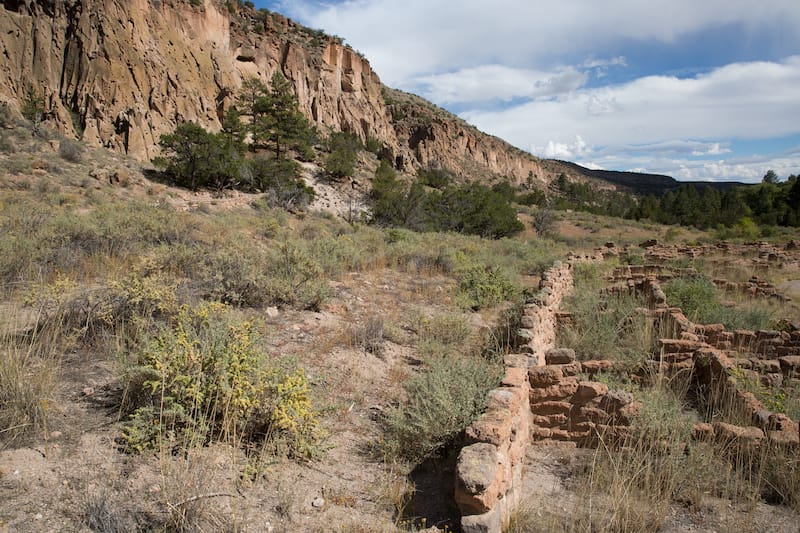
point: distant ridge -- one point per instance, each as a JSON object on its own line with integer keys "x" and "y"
{"x": 642, "y": 183}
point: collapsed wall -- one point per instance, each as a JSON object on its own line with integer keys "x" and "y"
{"x": 722, "y": 362}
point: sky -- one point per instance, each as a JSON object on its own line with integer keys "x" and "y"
{"x": 695, "y": 89}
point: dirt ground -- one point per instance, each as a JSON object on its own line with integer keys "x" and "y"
{"x": 551, "y": 499}
{"x": 52, "y": 484}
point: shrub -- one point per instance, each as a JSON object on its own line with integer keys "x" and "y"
{"x": 697, "y": 297}
{"x": 204, "y": 378}
{"x": 278, "y": 179}
{"x": 370, "y": 336}
{"x": 196, "y": 158}
{"x": 33, "y": 107}
{"x": 484, "y": 286}
{"x": 70, "y": 151}
{"x": 6, "y": 146}
{"x": 606, "y": 326}
{"x": 442, "y": 400}
{"x": 5, "y": 115}
{"x": 544, "y": 222}
{"x": 472, "y": 209}
{"x": 434, "y": 177}
{"x": 699, "y": 300}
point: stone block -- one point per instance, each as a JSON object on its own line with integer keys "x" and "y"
{"x": 702, "y": 432}
{"x": 627, "y": 413}
{"x": 738, "y": 434}
{"x": 551, "y": 408}
{"x": 492, "y": 427}
{"x": 790, "y": 365}
{"x": 515, "y": 377}
{"x": 479, "y": 474}
{"x": 678, "y": 345}
{"x": 489, "y": 522}
{"x": 615, "y": 400}
{"x": 588, "y": 413}
{"x": 504, "y": 399}
{"x": 539, "y": 433}
{"x": 550, "y": 421}
{"x": 588, "y": 390}
{"x": 570, "y": 369}
{"x": 544, "y": 376}
{"x": 562, "y": 390}
{"x": 560, "y": 434}
{"x": 559, "y": 356}
{"x": 593, "y": 367}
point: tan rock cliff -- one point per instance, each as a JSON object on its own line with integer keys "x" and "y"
{"x": 119, "y": 73}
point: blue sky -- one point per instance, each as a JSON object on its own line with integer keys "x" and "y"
{"x": 696, "y": 89}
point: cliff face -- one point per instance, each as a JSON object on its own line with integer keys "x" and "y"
{"x": 119, "y": 73}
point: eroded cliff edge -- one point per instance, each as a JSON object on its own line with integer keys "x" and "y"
{"x": 119, "y": 73}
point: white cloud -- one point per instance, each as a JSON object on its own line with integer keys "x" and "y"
{"x": 481, "y": 56}
{"x": 747, "y": 169}
{"x": 498, "y": 82}
{"x": 566, "y": 151}
{"x": 425, "y": 37}
{"x": 745, "y": 100}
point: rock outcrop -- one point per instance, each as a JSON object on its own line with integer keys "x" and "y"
{"x": 119, "y": 73}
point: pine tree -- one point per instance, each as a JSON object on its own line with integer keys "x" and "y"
{"x": 277, "y": 120}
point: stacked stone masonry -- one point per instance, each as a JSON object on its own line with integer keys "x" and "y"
{"x": 489, "y": 468}
{"x": 545, "y": 394}
{"x": 721, "y": 360}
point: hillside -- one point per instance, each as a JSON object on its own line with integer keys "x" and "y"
{"x": 642, "y": 183}
{"x": 118, "y": 74}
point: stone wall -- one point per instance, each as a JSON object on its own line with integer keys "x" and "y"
{"x": 567, "y": 408}
{"x": 720, "y": 361}
{"x": 489, "y": 468}
{"x": 547, "y": 394}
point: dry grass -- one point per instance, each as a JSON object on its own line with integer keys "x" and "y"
{"x": 29, "y": 368}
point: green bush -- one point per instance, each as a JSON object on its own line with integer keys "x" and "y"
{"x": 70, "y": 151}
{"x": 434, "y": 177}
{"x": 472, "y": 209}
{"x": 195, "y": 158}
{"x": 5, "y": 115}
{"x": 484, "y": 286}
{"x": 204, "y": 378}
{"x": 699, "y": 300}
{"x": 341, "y": 161}
{"x": 442, "y": 400}
{"x": 279, "y": 180}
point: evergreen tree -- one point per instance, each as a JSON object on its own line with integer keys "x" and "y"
{"x": 341, "y": 161}
{"x": 196, "y": 158}
{"x": 277, "y": 119}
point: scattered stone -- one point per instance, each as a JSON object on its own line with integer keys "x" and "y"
{"x": 744, "y": 435}
{"x": 595, "y": 366}
{"x": 318, "y": 502}
{"x": 614, "y": 400}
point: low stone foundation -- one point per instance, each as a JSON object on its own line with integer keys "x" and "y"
{"x": 489, "y": 468}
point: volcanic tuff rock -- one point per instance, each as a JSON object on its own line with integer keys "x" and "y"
{"x": 119, "y": 73}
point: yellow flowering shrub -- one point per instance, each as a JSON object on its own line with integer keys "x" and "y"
{"x": 204, "y": 378}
